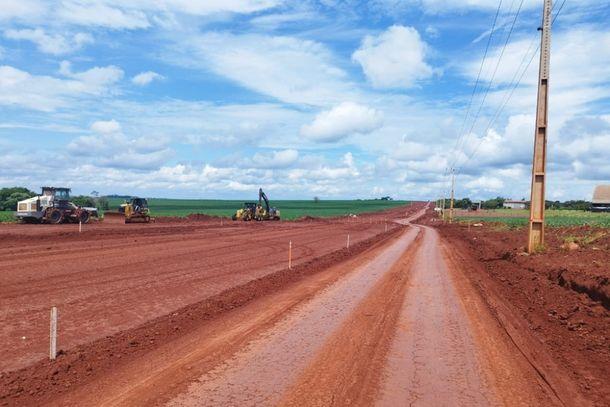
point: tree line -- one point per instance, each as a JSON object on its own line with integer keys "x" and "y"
{"x": 498, "y": 203}
{"x": 10, "y": 196}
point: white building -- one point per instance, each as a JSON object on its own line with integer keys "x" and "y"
{"x": 508, "y": 204}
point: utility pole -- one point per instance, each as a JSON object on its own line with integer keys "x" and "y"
{"x": 536, "y": 226}
{"x": 452, "y": 195}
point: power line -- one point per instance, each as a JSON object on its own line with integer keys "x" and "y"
{"x": 495, "y": 71}
{"x": 476, "y": 84}
{"x": 512, "y": 87}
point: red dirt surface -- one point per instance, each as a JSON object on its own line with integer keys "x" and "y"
{"x": 558, "y": 298}
{"x": 124, "y": 289}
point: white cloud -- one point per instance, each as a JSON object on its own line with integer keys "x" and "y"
{"x": 21, "y": 9}
{"x": 106, "y": 127}
{"x": 286, "y": 68}
{"x": 47, "y": 93}
{"x": 54, "y": 44}
{"x": 98, "y": 14}
{"x": 395, "y": 58}
{"x": 341, "y": 121}
{"x": 110, "y": 147}
{"x": 144, "y": 78}
{"x": 277, "y": 159}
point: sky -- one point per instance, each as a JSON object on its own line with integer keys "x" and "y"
{"x": 328, "y": 98}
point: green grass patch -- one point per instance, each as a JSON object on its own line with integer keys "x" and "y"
{"x": 288, "y": 209}
{"x": 553, "y": 218}
{"x": 7, "y": 216}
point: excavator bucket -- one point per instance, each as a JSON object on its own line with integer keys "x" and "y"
{"x": 114, "y": 217}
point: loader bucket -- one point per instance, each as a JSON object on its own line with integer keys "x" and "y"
{"x": 114, "y": 217}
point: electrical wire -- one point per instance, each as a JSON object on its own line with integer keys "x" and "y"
{"x": 512, "y": 91}
{"x": 476, "y": 84}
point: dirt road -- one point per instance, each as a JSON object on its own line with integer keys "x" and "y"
{"x": 391, "y": 326}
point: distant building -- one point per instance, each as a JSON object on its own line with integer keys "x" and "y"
{"x": 601, "y": 199}
{"x": 508, "y": 204}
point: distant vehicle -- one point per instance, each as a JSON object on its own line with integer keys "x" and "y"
{"x": 601, "y": 199}
{"x": 53, "y": 206}
{"x": 132, "y": 211}
{"x": 256, "y": 211}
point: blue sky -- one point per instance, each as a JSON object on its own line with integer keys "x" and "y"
{"x": 328, "y": 98}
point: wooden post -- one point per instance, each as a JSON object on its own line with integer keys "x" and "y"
{"x": 53, "y": 334}
{"x": 348, "y": 240}
{"x": 290, "y": 255}
{"x": 536, "y": 224}
{"x": 386, "y": 227}
{"x": 80, "y": 226}
{"x": 452, "y": 195}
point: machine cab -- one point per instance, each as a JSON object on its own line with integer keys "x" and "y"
{"x": 59, "y": 194}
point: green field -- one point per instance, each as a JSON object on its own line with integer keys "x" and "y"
{"x": 289, "y": 209}
{"x": 554, "y": 218}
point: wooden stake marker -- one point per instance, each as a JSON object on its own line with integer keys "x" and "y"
{"x": 53, "y": 334}
{"x": 348, "y": 240}
{"x": 80, "y": 226}
{"x": 290, "y": 255}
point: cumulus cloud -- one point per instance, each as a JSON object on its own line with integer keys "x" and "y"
{"x": 396, "y": 58}
{"x": 144, "y": 78}
{"x": 110, "y": 147}
{"x": 55, "y": 44}
{"x": 341, "y": 121}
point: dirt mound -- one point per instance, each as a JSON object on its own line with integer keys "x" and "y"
{"x": 561, "y": 293}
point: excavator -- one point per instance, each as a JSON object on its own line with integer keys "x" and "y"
{"x": 256, "y": 211}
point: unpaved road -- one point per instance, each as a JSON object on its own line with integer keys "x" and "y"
{"x": 391, "y": 326}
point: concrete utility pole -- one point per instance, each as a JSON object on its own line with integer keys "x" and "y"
{"x": 536, "y": 226}
{"x": 452, "y": 195}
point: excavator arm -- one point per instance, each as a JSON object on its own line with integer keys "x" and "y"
{"x": 263, "y": 197}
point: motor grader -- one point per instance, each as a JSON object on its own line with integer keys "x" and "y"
{"x": 256, "y": 211}
{"x": 53, "y": 206}
{"x": 133, "y": 211}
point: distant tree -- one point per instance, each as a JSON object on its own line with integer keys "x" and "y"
{"x": 95, "y": 194}
{"x": 495, "y": 203}
{"x": 82, "y": 200}
{"x": 316, "y": 199}
{"x": 102, "y": 203}
{"x": 10, "y": 196}
{"x": 464, "y": 203}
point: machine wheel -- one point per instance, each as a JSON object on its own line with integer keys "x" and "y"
{"x": 234, "y": 217}
{"x": 83, "y": 217}
{"x": 55, "y": 217}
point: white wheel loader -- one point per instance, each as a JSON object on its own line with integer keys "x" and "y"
{"x": 53, "y": 206}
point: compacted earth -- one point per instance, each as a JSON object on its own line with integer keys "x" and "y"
{"x": 562, "y": 293}
{"x": 205, "y": 311}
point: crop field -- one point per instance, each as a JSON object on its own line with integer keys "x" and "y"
{"x": 289, "y": 209}
{"x": 554, "y": 218}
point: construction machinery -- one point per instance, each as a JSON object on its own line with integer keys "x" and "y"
{"x": 133, "y": 211}
{"x": 53, "y": 206}
{"x": 257, "y": 211}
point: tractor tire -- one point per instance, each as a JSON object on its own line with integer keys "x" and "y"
{"x": 84, "y": 217}
{"x": 55, "y": 217}
{"x": 234, "y": 217}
